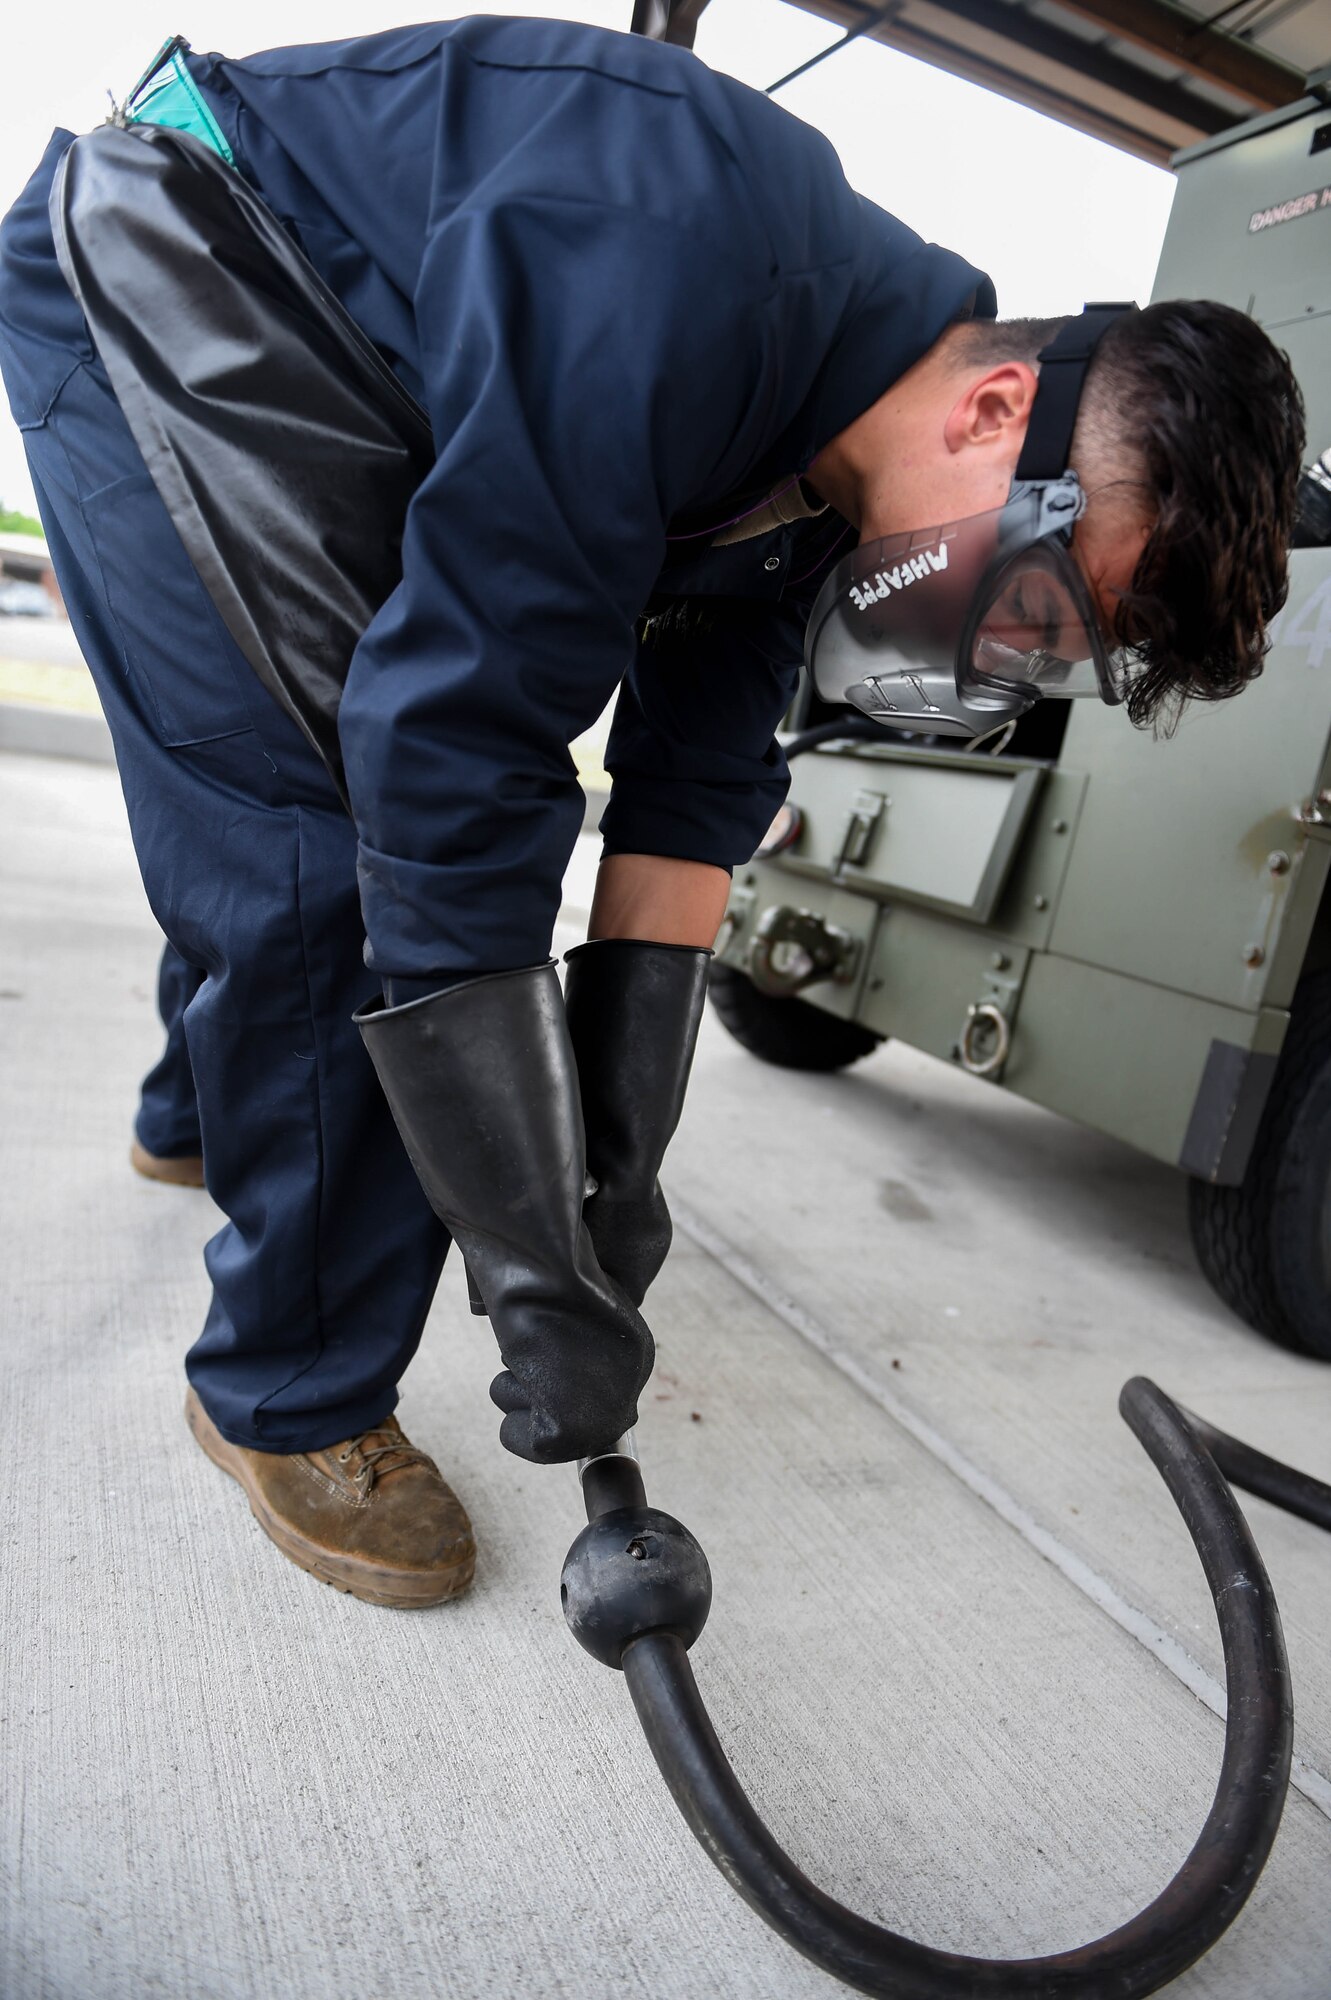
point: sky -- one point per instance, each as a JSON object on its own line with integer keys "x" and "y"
{"x": 1054, "y": 217}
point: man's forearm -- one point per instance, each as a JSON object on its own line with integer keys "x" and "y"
{"x": 659, "y": 900}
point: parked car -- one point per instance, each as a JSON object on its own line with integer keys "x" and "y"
{"x": 25, "y": 600}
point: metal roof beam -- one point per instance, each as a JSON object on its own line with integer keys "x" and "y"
{"x": 1090, "y": 59}
{"x": 1011, "y": 83}
{"x": 1182, "y": 36}
{"x": 1148, "y": 135}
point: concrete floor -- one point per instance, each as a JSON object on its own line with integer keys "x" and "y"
{"x": 960, "y": 1650}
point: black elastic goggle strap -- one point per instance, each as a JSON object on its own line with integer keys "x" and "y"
{"x": 1063, "y": 365}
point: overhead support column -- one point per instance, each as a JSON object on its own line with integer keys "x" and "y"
{"x": 674, "y": 21}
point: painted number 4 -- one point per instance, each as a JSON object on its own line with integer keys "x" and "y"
{"x": 1310, "y": 631}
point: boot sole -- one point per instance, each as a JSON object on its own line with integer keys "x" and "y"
{"x": 373, "y": 1583}
{"x": 185, "y": 1171}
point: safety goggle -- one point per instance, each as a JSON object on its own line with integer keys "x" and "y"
{"x": 956, "y": 629}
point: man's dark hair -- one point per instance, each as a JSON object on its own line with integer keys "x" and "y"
{"x": 1192, "y": 401}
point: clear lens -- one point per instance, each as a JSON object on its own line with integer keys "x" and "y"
{"x": 1122, "y": 668}
{"x": 953, "y": 628}
{"x": 1035, "y": 628}
{"x": 898, "y": 605}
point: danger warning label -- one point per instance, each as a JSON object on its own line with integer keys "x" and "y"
{"x": 1290, "y": 211}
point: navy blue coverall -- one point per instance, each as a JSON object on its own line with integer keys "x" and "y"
{"x": 167, "y": 1123}
{"x": 634, "y": 297}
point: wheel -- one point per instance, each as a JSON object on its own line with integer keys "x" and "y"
{"x": 1266, "y": 1246}
{"x": 789, "y": 1033}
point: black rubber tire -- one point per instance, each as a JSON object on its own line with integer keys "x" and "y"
{"x": 1265, "y": 1246}
{"x": 789, "y": 1033}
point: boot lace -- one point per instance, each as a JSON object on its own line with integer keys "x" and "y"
{"x": 376, "y": 1459}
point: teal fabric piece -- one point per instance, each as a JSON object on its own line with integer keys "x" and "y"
{"x": 170, "y": 98}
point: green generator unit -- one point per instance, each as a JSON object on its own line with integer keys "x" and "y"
{"x": 1133, "y": 932}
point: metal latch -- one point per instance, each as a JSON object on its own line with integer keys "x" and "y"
{"x": 866, "y": 810}
{"x": 986, "y": 1040}
{"x": 792, "y": 949}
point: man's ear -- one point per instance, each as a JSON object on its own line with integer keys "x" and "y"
{"x": 993, "y": 409}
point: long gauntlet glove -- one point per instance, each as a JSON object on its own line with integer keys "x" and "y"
{"x": 633, "y": 1012}
{"x": 481, "y": 1082}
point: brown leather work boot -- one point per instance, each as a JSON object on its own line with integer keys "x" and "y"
{"x": 183, "y": 1170}
{"x": 373, "y": 1516}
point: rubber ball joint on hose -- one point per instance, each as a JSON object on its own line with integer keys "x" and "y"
{"x": 634, "y": 1571}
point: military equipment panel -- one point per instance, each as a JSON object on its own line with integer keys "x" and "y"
{"x": 1117, "y": 932}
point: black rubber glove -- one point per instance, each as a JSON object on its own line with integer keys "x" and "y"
{"x": 481, "y": 1082}
{"x": 633, "y": 1012}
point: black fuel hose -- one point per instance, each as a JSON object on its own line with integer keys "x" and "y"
{"x": 636, "y": 1593}
{"x": 1297, "y": 1492}
{"x": 846, "y": 729}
